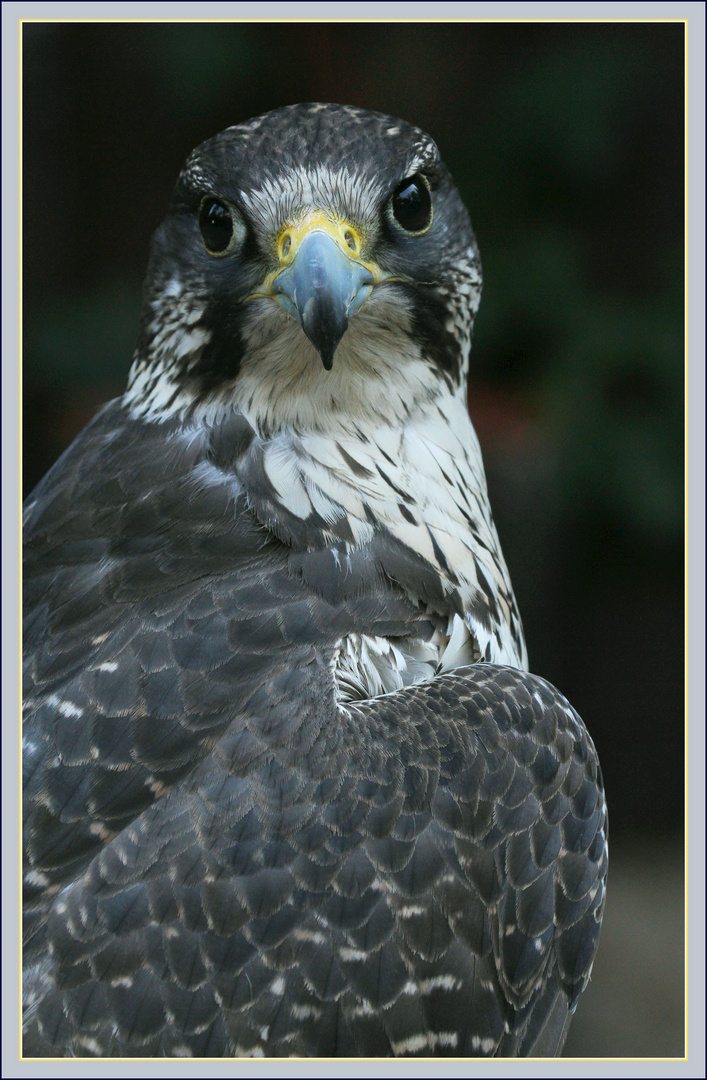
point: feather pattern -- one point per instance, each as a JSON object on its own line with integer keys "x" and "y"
{"x": 191, "y": 828}
{"x": 288, "y": 789}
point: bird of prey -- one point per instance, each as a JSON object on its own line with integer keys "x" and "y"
{"x": 289, "y": 787}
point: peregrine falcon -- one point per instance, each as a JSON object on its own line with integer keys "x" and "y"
{"x": 289, "y": 788}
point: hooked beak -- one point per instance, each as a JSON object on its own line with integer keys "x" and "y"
{"x": 322, "y": 280}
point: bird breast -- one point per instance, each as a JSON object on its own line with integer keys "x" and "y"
{"x": 422, "y": 482}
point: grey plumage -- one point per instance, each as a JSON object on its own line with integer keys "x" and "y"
{"x": 233, "y": 844}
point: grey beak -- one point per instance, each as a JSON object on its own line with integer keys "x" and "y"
{"x": 323, "y": 288}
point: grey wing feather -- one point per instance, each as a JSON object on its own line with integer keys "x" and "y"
{"x": 221, "y": 860}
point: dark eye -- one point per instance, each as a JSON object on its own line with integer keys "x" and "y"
{"x": 412, "y": 205}
{"x": 216, "y": 224}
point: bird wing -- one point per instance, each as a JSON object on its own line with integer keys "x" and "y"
{"x": 221, "y": 859}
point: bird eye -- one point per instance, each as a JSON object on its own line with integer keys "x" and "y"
{"x": 412, "y": 204}
{"x": 216, "y": 224}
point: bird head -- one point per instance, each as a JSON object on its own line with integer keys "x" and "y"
{"x": 315, "y": 258}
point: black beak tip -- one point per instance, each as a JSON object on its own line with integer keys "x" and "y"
{"x": 325, "y": 329}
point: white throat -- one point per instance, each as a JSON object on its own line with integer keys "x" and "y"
{"x": 422, "y": 479}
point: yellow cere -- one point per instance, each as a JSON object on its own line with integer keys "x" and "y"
{"x": 290, "y": 237}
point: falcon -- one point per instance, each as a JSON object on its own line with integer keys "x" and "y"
{"x": 289, "y": 788}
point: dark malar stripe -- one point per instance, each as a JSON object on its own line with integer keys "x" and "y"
{"x": 437, "y": 344}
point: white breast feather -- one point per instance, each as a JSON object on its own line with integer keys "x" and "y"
{"x": 428, "y": 452}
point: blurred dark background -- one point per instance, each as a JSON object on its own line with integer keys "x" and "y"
{"x": 567, "y": 143}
